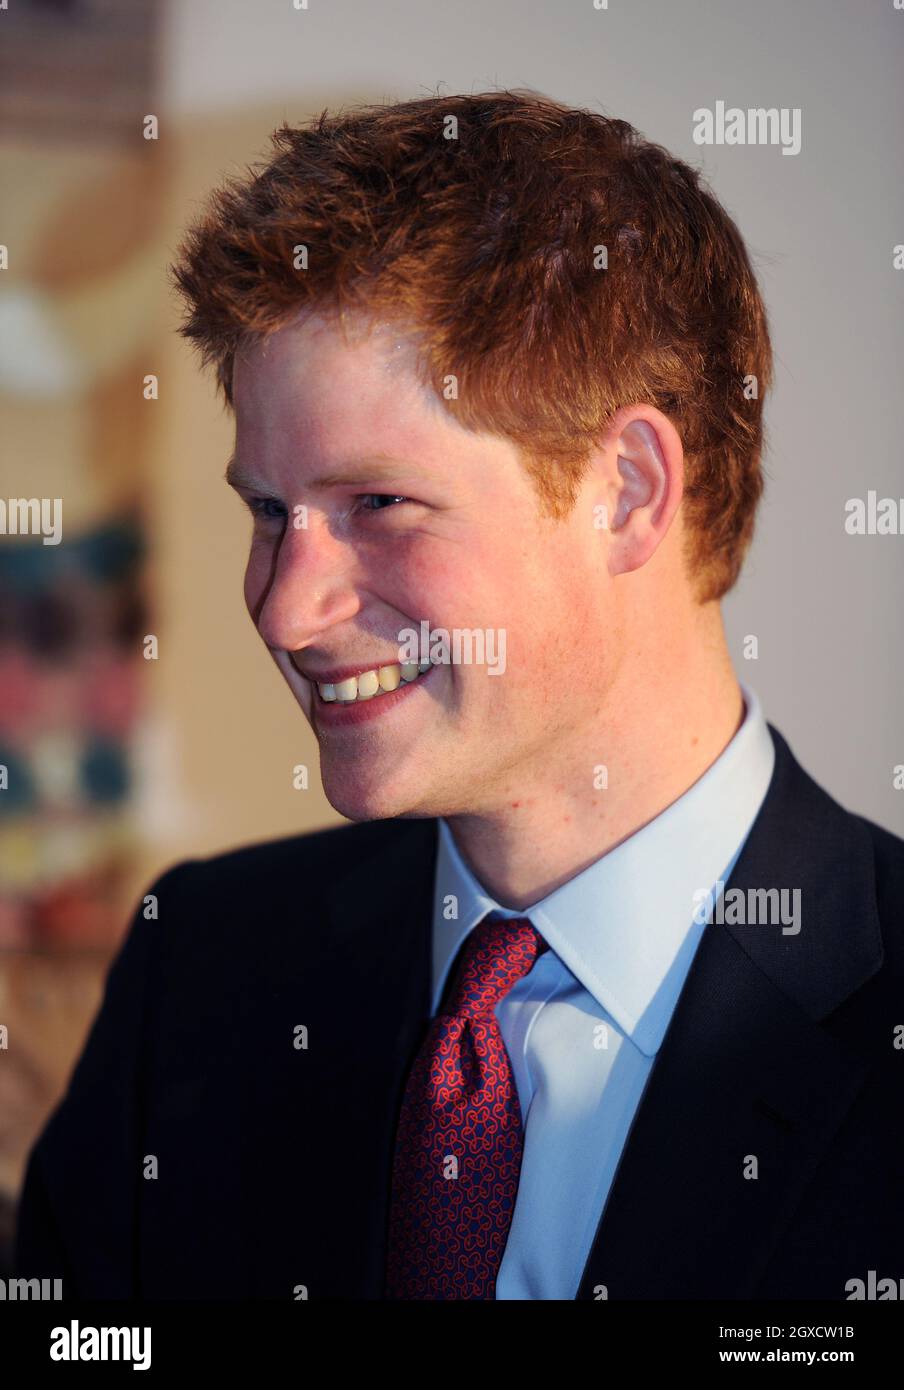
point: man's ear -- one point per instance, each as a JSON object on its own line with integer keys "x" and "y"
{"x": 650, "y": 462}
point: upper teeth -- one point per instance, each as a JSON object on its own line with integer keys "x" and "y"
{"x": 369, "y": 683}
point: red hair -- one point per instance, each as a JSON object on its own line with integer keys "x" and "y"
{"x": 482, "y": 234}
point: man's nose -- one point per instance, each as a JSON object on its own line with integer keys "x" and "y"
{"x": 311, "y": 589}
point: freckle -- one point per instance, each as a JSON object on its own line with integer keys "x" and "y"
{"x": 695, "y": 740}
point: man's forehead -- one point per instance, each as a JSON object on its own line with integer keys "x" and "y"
{"x": 339, "y": 393}
{"x": 355, "y": 342}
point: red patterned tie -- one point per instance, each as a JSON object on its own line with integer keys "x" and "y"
{"x": 460, "y": 1136}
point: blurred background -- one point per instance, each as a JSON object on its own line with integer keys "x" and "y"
{"x": 140, "y": 721}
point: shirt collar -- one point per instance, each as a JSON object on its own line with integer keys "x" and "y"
{"x": 626, "y": 925}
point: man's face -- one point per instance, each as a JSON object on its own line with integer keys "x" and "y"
{"x": 467, "y": 549}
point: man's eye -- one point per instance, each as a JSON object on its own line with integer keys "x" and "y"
{"x": 381, "y": 498}
{"x": 267, "y": 508}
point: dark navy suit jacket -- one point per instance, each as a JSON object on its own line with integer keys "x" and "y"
{"x": 273, "y": 1160}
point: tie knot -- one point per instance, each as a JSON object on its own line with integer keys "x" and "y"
{"x": 496, "y": 954}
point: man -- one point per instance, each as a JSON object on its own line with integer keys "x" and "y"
{"x": 599, "y": 998}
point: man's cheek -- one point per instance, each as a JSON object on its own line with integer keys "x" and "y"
{"x": 257, "y": 579}
{"x": 302, "y": 689}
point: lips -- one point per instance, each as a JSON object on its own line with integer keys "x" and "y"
{"x": 336, "y": 713}
{"x": 349, "y": 685}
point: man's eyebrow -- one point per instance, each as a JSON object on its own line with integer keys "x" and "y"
{"x": 376, "y": 466}
{"x": 236, "y": 476}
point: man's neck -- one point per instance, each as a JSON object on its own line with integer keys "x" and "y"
{"x": 655, "y": 750}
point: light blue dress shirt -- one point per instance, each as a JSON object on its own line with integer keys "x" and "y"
{"x": 583, "y": 1028}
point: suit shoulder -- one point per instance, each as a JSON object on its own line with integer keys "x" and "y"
{"x": 333, "y": 843}
{"x": 889, "y": 847}
{"x": 843, "y": 830}
{"x": 888, "y": 858}
{"x": 298, "y": 865}
{"x": 880, "y": 896}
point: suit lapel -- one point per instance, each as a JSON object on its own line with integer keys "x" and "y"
{"x": 320, "y": 1120}
{"x": 745, "y": 1072}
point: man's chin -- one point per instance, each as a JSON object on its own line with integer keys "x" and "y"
{"x": 359, "y": 800}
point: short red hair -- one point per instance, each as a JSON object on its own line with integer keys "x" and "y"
{"x": 487, "y": 245}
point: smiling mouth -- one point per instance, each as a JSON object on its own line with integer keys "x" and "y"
{"x": 370, "y": 685}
